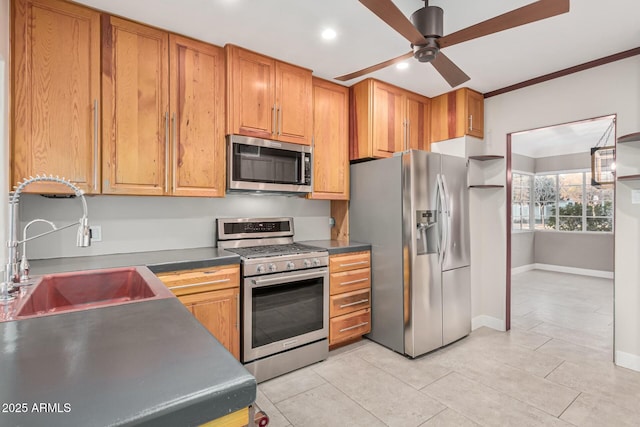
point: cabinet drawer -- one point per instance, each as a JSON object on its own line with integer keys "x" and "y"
{"x": 348, "y": 281}
{"x": 187, "y": 282}
{"x": 349, "y": 326}
{"x": 350, "y": 301}
{"x": 352, "y": 261}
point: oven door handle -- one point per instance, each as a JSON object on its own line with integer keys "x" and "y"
{"x": 287, "y": 278}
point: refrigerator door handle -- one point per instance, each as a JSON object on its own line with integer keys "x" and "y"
{"x": 447, "y": 209}
{"x": 443, "y": 212}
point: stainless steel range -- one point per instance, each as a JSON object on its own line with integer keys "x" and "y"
{"x": 285, "y": 295}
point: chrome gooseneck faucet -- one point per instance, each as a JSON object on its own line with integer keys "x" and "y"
{"x": 12, "y": 272}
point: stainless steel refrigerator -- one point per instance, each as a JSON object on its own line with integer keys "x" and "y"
{"x": 413, "y": 209}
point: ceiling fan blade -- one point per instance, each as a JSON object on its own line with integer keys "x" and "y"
{"x": 537, "y": 11}
{"x": 450, "y": 71}
{"x": 389, "y": 13}
{"x": 373, "y": 68}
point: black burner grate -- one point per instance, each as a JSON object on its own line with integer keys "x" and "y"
{"x": 273, "y": 250}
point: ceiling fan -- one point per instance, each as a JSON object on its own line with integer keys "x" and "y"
{"x": 424, "y": 32}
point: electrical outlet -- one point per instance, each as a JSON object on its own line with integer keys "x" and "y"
{"x": 96, "y": 233}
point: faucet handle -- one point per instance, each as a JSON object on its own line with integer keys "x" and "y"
{"x": 24, "y": 269}
{"x": 84, "y": 233}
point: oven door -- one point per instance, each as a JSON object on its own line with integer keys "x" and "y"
{"x": 265, "y": 165}
{"x": 284, "y": 310}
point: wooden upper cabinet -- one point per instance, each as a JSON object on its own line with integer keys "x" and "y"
{"x": 418, "y": 115}
{"x": 456, "y": 114}
{"x": 197, "y": 76}
{"x": 294, "y": 103}
{"x": 250, "y": 93}
{"x": 330, "y": 141}
{"x": 55, "y": 94}
{"x": 135, "y": 112}
{"x": 386, "y": 119}
{"x": 267, "y": 98}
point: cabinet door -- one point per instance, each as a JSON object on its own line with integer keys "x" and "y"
{"x": 56, "y": 93}
{"x": 418, "y": 117}
{"x": 135, "y": 109}
{"x": 251, "y": 94}
{"x": 388, "y": 120}
{"x": 330, "y": 141}
{"x": 475, "y": 114}
{"x": 294, "y": 104}
{"x": 197, "y": 118}
{"x": 218, "y": 312}
{"x": 441, "y": 127}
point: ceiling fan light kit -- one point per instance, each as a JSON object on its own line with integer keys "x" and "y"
{"x": 425, "y": 31}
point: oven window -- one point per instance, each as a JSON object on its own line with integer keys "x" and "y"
{"x": 263, "y": 164}
{"x": 286, "y": 311}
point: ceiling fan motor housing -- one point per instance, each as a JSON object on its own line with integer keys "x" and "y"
{"x": 428, "y": 21}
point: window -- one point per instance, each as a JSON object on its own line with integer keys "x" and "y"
{"x": 566, "y": 202}
{"x": 521, "y": 201}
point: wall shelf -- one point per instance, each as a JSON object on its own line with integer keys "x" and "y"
{"x": 629, "y": 178}
{"x": 486, "y": 157}
{"x": 632, "y": 137}
{"x": 486, "y": 186}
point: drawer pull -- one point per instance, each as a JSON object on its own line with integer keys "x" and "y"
{"x": 192, "y": 285}
{"x": 351, "y": 282}
{"x": 351, "y": 264}
{"x": 362, "y": 301}
{"x": 354, "y": 326}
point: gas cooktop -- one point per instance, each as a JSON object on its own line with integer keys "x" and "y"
{"x": 264, "y": 251}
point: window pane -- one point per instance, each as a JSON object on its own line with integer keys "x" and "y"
{"x": 545, "y": 202}
{"x": 599, "y": 224}
{"x": 521, "y": 201}
{"x": 570, "y": 223}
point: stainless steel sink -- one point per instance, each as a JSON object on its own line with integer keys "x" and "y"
{"x": 86, "y": 290}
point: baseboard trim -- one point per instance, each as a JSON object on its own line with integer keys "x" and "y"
{"x": 628, "y": 360}
{"x": 488, "y": 321}
{"x": 523, "y": 268}
{"x": 573, "y": 270}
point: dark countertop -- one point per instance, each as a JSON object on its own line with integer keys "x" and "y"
{"x": 339, "y": 246}
{"x": 150, "y": 363}
{"x": 157, "y": 261}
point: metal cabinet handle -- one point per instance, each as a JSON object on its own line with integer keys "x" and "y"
{"x": 274, "y": 122}
{"x": 279, "y": 121}
{"x": 351, "y": 264}
{"x": 193, "y": 285}
{"x": 470, "y": 122}
{"x": 354, "y": 326}
{"x": 408, "y": 134}
{"x": 96, "y": 126}
{"x": 351, "y": 282}
{"x": 166, "y": 152}
{"x": 174, "y": 137}
{"x": 351, "y": 304}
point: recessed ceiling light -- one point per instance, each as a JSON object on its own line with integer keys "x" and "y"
{"x": 329, "y": 34}
{"x": 402, "y": 65}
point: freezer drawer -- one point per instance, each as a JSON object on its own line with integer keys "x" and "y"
{"x": 456, "y": 304}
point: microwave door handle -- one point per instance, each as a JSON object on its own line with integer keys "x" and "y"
{"x": 302, "y": 157}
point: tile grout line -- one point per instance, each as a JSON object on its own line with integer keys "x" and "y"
{"x": 569, "y": 405}
{"x": 553, "y": 370}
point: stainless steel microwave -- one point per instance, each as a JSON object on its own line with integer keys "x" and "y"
{"x": 256, "y": 164}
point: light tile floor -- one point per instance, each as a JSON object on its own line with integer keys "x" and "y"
{"x": 553, "y": 368}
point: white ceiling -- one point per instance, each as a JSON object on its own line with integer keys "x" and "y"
{"x": 570, "y": 138}
{"x": 290, "y": 30}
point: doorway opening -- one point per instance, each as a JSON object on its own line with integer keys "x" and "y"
{"x": 560, "y": 235}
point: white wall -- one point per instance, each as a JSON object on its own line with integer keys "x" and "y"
{"x": 4, "y": 124}
{"x": 609, "y": 89}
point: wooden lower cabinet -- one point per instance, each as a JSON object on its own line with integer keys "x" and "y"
{"x": 218, "y": 312}
{"x": 350, "y": 296}
{"x": 212, "y": 295}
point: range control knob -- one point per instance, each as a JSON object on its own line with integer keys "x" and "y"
{"x": 306, "y": 263}
{"x": 316, "y": 262}
{"x": 272, "y": 267}
{"x": 260, "y": 268}
{"x": 290, "y": 265}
